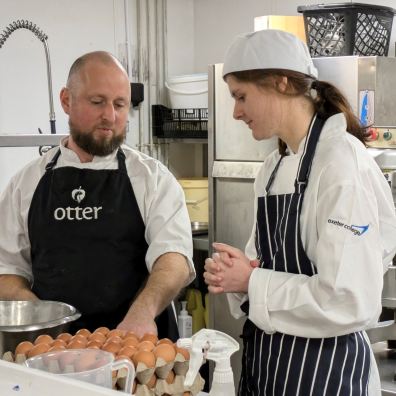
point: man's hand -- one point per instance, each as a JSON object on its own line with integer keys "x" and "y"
{"x": 169, "y": 275}
{"x": 15, "y": 287}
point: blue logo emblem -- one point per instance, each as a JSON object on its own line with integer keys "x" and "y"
{"x": 360, "y": 229}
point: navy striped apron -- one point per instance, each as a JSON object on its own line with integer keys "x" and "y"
{"x": 282, "y": 364}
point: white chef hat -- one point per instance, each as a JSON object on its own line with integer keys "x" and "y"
{"x": 269, "y": 49}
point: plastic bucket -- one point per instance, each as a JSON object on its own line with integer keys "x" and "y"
{"x": 188, "y": 91}
{"x": 196, "y": 194}
{"x": 89, "y": 365}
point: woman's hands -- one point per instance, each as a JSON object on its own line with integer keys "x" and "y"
{"x": 228, "y": 271}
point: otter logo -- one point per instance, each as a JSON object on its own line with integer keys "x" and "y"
{"x": 78, "y": 194}
{"x": 77, "y": 213}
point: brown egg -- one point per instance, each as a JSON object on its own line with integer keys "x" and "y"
{"x": 57, "y": 343}
{"x": 171, "y": 377}
{"x": 79, "y": 337}
{"x": 131, "y": 334}
{"x": 65, "y": 337}
{"x": 127, "y": 351}
{"x": 85, "y": 361}
{"x": 112, "y": 347}
{"x": 116, "y": 332}
{"x": 103, "y": 330}
{"x": 166, "y": 352}
{"x": 145, "y": 346}
{"x": 84, "y": 332}
{"x": 119, "y": 357}
{"x": 165, "y": 341}
{"x": 149, "y": 337}
{"x": 76, "y": 344}
{"x": 184, "y": 352}
{"x": 43, "y": 339}
{"x": 130, "y": 341}
{"x": 57, "y": 348}
{"x": 144, "y": 357}
{"x": 98, "y": 337}
{"x": 94, "y": 345}
{"x": 23, "y": 348}
{"x": 151, "y": 382}
{"x": 38, "y": 350}
{"x": 114, "y": 338}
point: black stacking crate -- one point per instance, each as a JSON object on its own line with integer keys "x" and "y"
{"x": 340, "y": 29}
{"x": 179, "y": 123}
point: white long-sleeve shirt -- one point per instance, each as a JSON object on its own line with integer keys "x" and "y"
{"x": 159, "y": 196}
{"x": 346, "y": 188}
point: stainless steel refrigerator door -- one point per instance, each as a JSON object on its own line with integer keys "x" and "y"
{"x": 233, "y": 138}
{"x": 232, "y": 184}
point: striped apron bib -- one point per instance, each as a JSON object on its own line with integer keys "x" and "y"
{"x": 282, "y": 364}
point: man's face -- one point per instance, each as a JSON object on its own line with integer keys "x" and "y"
{"x": 97, "y": 103}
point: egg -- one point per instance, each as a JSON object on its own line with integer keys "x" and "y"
{"x": 114, "y": 338}
{"x": 116, "y": 332}
{"x": 151, "y": 382}
{"x": 38, "y": 350}
{"x": 131, "y": 334}
{"x": 102, "y": 330}
{"x": 165, "y": 351}
{"x": 76, "y": 344}
{"x": 57, "y": 343}
{"x": 165, "y": 341}
{"x": 119, "y": 357}
{"x": 94, "y": 345}
{"x": 84, "y": 332}
{"x": 149, "y": 337}
{"x": 57, "y": 348}
{"x": 98, "y": 337}
{"x": 171, "y": 377}
{"x": 130, "y": 341}
{"x": 64, "y": 336}
{"x": 112, "y": 347}
{"x": 43, "y": 339}
{"x": 184, "y": 352}
{"x": 145, "y": 346}
{"x": 127, "y": 351}
{"x": 23, "y": 348}
{"x": 144, "y": 357}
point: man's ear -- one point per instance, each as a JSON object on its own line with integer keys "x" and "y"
{"x": 65, "y": 99}
{"x": 282, "y": 84}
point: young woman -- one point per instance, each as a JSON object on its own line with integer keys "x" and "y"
{"x": 310, "y": 279}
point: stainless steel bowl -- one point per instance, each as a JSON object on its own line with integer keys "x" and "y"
{"x": 25, "y": 320}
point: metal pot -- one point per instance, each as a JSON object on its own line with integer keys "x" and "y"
{"x": 25, "y": 320}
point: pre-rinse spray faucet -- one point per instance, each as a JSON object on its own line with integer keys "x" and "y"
{"x": 24, "y": 24}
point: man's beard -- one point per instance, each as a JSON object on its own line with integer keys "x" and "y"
{"x": 99, "y": 147}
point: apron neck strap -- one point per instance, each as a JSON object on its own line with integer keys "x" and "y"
{"x": 304, "y": 167}
{"x": 120, "y": 158}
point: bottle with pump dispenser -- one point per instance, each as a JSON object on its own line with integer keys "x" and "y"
{"x": 184, "y": 322}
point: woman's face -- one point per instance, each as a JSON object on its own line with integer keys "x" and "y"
{"x": 259, "y": 107}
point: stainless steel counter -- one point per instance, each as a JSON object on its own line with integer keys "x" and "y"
{"x": 201, "y": 242}
{"x": 386, "y": 361}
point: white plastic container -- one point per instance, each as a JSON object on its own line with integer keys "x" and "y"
{"x": 188, "y": 91}
{"x": 196, "y": 194}
{"x": 184, "y": 322}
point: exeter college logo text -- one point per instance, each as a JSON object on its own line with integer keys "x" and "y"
{"x": 77, "y": 213}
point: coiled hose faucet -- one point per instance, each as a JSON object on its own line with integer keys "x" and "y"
{"x": 24, "y": 24}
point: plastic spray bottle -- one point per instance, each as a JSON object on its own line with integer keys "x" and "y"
{"x": 213, "y": 345}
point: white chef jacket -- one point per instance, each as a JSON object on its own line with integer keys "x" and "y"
{"x": 159, "y": 196}
{"x": 345, "y": 188}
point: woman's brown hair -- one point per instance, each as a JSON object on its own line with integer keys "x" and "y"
{"x": 327, "y": 101}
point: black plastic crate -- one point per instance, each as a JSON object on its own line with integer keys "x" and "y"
{"x": 347, "y": 29}
{"x": 179, "y": 123}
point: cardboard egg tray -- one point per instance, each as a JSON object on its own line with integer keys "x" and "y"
{"x": 165, "y": 378}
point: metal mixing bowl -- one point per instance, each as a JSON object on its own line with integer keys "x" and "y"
{"x": 25, "y": 320}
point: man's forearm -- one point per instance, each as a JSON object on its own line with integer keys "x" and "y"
{"x": 15, "y": 287}
{"x": 169, "y": 275}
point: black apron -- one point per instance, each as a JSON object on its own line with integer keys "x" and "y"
{"x": 281, "y": 364}
{"x": 87, "y": 244}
